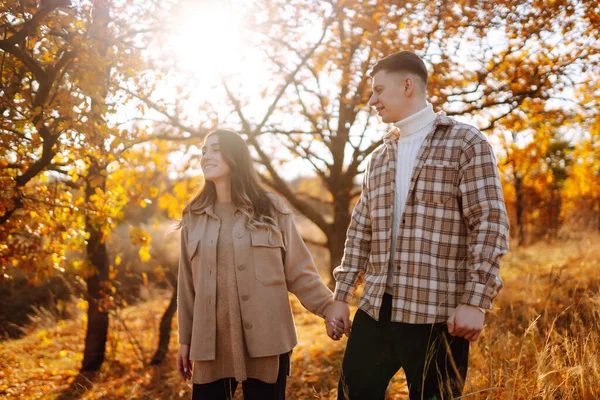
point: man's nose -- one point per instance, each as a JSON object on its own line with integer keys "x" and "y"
{"x": 372, "y": 100}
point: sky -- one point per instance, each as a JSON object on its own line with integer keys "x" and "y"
{"x": 209, "y": 43}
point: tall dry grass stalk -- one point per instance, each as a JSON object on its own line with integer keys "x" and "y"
{"x": 543, "y": 339}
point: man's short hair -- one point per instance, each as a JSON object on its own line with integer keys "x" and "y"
{"x": 403, "y": 61}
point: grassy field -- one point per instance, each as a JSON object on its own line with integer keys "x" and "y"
{"x": 542, "y": 341}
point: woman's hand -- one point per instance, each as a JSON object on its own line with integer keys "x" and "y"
{"x": 337, "y": 320}
{"x": 184, "y": 366}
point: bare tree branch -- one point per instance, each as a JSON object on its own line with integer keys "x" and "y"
{"x": 292, "y": 75}
{"x": 27, "y": 28}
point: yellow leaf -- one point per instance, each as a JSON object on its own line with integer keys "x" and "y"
{"x": 97, "y": 181}
{"x": 144, "y": 253}
{"x": 118, "y": 260}
{"x": 82, "y": 304}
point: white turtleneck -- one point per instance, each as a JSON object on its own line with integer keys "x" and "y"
{"x": 413, "y": 131}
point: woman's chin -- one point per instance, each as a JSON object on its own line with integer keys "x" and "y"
{"x": 215, "y": 178}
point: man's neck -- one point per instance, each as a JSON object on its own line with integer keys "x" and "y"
{"x": 412, "y": 109}
{"x": 417, "y": 121}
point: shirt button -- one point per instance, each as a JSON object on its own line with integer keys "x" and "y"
{"x": 403, "y": 221}
{"x": 241, "y": 267}
{"x": 245, "y": 297}
{"x": 248, "y": 326}
{"x": 239, "y": 235}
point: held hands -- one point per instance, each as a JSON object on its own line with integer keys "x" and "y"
{"x": 466, "y": 321}
{"x": 184, "y": 366}
{"x": 337, "y": 320}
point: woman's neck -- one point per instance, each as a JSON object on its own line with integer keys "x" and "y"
{"x": 223, "y": 188}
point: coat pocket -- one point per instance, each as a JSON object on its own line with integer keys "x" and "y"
{"x": 268, "y": 250}
{"x": 437, "y": 183}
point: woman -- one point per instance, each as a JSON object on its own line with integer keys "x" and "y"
{"x": 240, "y": 254}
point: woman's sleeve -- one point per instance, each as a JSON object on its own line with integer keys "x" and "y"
{"x": 185, "y": 290}
{"x": 301, "y": 274}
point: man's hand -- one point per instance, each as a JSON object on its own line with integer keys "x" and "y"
{"x": 184, "y": 365}
{"x": 337, "y": 320}
{"x": 466, "y": 321}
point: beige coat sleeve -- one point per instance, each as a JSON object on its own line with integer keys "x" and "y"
{"x": 301, "y": 274}
{"x": 185, "y": 290}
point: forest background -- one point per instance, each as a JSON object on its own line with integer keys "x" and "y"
{"x": 104, "y": 105}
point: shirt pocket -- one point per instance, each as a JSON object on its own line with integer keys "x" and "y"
{"x": 267, "y": 250}
{"x": 193, "y": 249}
{"x": 437, "y": 183}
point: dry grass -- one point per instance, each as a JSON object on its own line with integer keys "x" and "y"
{"x": 541, "y": 342}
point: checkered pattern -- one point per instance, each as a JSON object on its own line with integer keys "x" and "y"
{"x": 452, "y": 234}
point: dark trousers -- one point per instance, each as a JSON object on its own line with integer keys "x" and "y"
{"x": 434, "y": 362}
{"x": 253, "y": 389}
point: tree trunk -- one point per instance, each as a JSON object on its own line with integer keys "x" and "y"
{"x": 556, "y": 215}
{"x": 97, "y": 254}
{"x": 165, "y": 330}
{"x": 337, "y": 236}
{"x": 598, "y": 215}
{"x": 519, "y": 208}
{"x": 97, "y": 280}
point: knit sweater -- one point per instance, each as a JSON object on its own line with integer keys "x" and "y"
{"x": 232, "y": 359}
{"x": 413, "y": 131}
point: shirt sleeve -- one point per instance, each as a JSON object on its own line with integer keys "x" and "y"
{"x": 357, "y": 247}
{"x": 484, "y": 213}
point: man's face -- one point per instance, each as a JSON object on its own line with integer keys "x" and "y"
{"x": 390, "y": 97}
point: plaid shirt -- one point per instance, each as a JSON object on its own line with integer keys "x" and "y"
{"x": 452, "y": 234}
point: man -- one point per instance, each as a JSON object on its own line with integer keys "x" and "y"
{"x": 428, "y": 232}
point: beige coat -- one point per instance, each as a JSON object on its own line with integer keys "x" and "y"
{"x": 263, "y": 280}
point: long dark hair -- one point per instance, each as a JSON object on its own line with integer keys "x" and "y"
{"x": 247, "y": 193}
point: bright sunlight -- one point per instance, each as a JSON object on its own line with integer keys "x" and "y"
{"x": 207, "y": 39}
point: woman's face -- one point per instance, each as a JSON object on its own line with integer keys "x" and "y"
{"x": 214, "y": 166}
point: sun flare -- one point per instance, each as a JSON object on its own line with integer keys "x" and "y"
{"x": 207, "y": 39}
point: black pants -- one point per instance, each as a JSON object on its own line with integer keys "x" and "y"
{"x": 434, "y": 362}
{"x": 253, "y": 389}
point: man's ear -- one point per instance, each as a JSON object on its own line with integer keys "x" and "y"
{"x": 409, "y": 84}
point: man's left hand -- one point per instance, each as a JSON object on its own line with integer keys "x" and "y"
{"x": 466, "y": 321}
